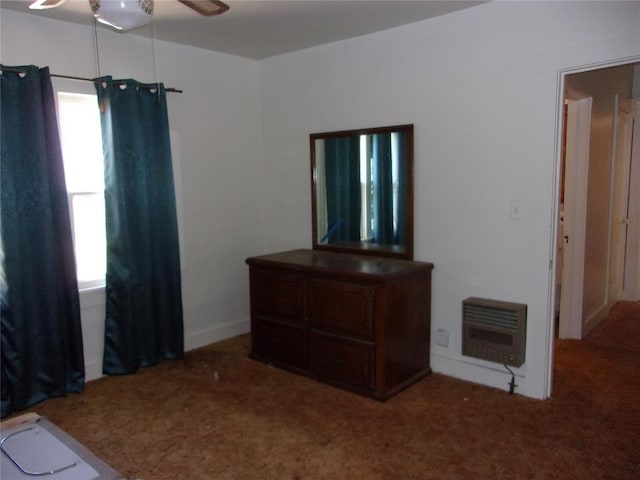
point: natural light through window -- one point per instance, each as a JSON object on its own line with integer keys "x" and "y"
{"x": 366, "y": 221}
{"x": 81, "y": 140}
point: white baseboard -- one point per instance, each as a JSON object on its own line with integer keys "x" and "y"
{"x": 93, "y": 370}
{"x": 594, "y": 319}
{"x": 491, "y": 375}
{"x": 193, "y": 340}
{"x": 216, "y": 333}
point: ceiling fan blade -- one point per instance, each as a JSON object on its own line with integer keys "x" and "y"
{"x": 45, "y": 4}
{"x": 206, "y": 7}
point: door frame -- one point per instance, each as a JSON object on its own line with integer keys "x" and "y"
{"x": 558, "y": 65}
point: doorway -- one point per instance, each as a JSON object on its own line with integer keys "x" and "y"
{"x": 595, "y": 265}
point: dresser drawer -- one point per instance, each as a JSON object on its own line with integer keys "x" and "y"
{"x": 341, "y": 360}
{"x": 277, "y": 294}
{"x": 279, "y": 343}
{"x": 342, "y": 307}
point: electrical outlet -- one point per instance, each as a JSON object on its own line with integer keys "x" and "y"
{"x": 442, "y": 337}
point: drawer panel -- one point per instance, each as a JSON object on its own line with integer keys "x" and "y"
{"x": 277, "y": 294}
{"x": 341, "y": 360}
{"x": 279, "y": 343}
{"x": 341, "y": 306}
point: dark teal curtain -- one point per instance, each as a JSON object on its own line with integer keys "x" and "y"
{"x": 381, "y": 172}
{"x": 342, "y": 168}
{"x": 143, "y": 283}
{"x": 389, "y": 226}
{"x": 41, "y": 334}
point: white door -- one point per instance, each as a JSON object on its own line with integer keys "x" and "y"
{"x": 578, "y": 125}
{"x": 631, "y": 291}
{"x": 620, "y": 166}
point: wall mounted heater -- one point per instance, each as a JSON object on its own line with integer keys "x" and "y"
{"x": 494, "y": 330}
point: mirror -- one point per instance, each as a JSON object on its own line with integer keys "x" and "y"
{"x": 362, "y": 191}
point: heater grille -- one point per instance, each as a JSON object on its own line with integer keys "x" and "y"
{"x": 494, "y": 330}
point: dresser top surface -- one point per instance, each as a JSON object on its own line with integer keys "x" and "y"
{"x": 330, "y": 261}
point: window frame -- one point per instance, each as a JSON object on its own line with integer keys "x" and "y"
{"x": 76, "y": 87}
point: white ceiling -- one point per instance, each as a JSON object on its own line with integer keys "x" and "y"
{"x": 262, "y": 28}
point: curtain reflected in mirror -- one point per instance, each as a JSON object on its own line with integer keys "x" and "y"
{"x": 362, "y": 190}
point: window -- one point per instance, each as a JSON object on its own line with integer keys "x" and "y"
{"x": 81, "y": 141}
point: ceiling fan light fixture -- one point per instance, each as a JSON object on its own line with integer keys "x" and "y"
{"x": 206, "y": 7}
{"x": 45, "y": 4}
{"x": 122, "y": 15}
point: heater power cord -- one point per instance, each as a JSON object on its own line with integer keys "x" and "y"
{"x": 512, "y": 383}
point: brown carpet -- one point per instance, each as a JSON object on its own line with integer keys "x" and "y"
{"x": 219, "y": 415}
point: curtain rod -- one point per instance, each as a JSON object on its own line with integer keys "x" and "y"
{"x": 145, "y": 85}
{"x": 83, "y": 79}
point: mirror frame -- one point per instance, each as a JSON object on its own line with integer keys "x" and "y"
{"x": 379, "y": 250}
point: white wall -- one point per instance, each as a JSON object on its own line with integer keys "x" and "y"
{"x": 216, "y": 151}
{"x": 481, "y": 87}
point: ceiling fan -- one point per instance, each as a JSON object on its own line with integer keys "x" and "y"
{"x": 206, "y": 7}
{"x": 127, "y": 14}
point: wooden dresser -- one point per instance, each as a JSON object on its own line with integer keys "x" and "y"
{"x": 358, "y": 322}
